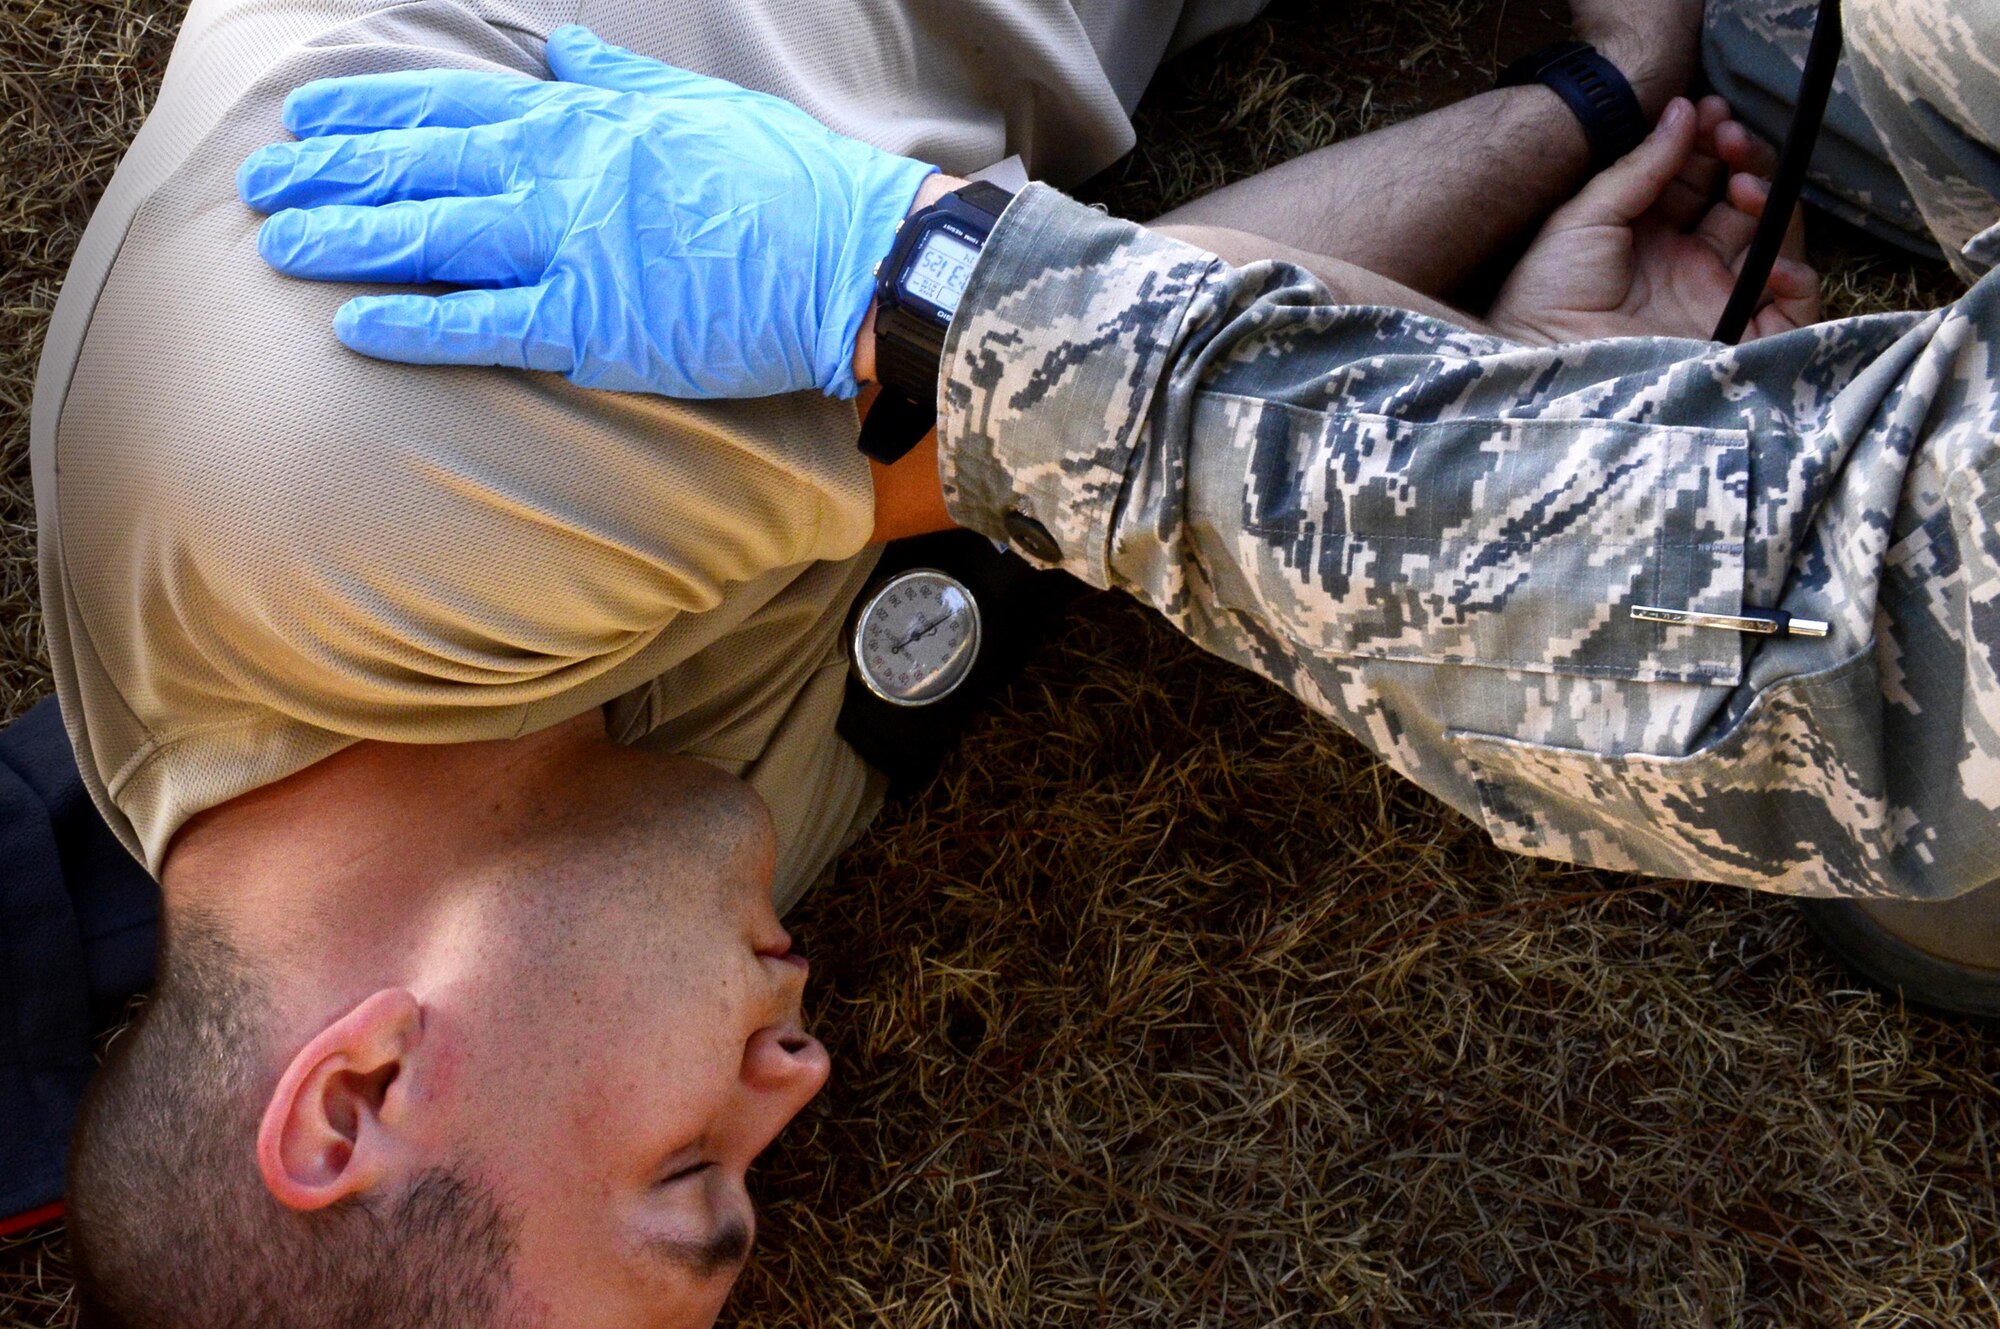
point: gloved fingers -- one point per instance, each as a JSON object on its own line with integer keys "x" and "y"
{"x": 496, "y": 241}
{"x": 444, "y": 98}
{"x": 524, "y": 327}
{"x": 578, "y": 55}
{"x": 383, "y": 167}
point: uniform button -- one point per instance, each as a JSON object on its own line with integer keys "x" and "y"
{"x": 1032, "y": 536}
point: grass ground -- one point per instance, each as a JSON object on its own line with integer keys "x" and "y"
{"x": 1166, "y": 1005}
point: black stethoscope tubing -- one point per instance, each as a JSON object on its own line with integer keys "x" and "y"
{"x": 1822, "y": 60}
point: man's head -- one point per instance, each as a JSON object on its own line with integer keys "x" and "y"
{"x": 486, "y": 1035}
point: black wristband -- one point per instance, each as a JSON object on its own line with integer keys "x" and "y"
{"x": 1592, "y": 87}
{"x": 909, "y": 337}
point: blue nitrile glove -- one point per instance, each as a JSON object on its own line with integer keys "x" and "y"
{"x": 633, "y": 226}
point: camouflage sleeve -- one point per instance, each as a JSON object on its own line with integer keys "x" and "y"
{"x": 1926, "y": 74}
{"x": 1754, "y": 53}
{"x": 1905, "y": 150}
{"x": 1438, "y": 539}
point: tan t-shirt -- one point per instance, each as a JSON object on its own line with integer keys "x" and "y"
{"x": 258, "y": 547}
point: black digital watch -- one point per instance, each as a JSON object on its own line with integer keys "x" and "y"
{"x": 917, "y": 289}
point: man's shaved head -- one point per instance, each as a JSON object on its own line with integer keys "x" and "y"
{"x": 428, "y": 1057}
{"x": 172, "y": 1225}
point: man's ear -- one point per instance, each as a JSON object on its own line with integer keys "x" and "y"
{"x": 335, "y": 1125}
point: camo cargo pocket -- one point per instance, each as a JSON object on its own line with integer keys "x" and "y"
{"x": 1509, "y": 544}
{"x": 1790, "y": 799}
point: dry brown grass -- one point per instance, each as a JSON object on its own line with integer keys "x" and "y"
{"x": 75, "y": 79}
{"x": 1167, "y": 1005}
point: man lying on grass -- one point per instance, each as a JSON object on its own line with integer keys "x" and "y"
{"x": 479, "y": 724}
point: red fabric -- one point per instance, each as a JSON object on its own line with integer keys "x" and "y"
{"x": 48, "y": 1213}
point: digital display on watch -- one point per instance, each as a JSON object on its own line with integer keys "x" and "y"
{"x": 940, "y": 270}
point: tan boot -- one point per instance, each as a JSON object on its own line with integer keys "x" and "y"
{"x": 1941, "y": 954}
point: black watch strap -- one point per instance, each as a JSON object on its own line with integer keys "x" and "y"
{"x": 909, "y": 352}
{"x": 906, "y": 360}
{"x": 909, "y": 348}
{"x": 895, "y": 424}
{"x": 1593, "y": 89}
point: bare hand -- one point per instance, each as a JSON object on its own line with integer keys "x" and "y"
{"x": 1645, "y": 251}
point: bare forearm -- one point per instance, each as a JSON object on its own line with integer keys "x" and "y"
{"x": 1347, "y": 283}
{"x": 1423, "y": 202}
{"x": 1428, "y": 201}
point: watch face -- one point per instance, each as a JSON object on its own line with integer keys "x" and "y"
{"x": 917, "y": 638}
{"x": 940, "y": 268}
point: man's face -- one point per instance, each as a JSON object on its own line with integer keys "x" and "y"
{"x": 634, "y": 1044}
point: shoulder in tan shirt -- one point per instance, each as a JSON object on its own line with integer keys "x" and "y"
{"x": 258, "y": 547}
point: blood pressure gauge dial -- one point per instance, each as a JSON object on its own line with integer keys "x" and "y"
{"x": 917, "y": 638}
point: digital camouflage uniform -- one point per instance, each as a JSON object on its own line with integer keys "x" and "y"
{"x": 1436, "y": 537}
{"x": 1904, "y": 151}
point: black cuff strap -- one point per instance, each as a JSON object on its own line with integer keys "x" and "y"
{"x": 894, "y": 425}
{"x": 1593, "y": 88}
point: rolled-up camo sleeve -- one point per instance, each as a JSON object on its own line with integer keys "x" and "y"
{"x": 1439, "y": 538}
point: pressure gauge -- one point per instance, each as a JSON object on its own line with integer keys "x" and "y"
{"x": 916, "y": 638}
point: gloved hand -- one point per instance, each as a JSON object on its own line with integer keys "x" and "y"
{"x": 632, "y": 226}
